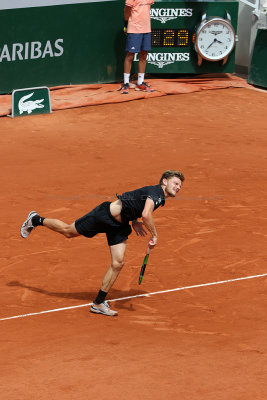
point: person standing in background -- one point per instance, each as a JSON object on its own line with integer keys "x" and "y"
{"x": 137, "y": 26}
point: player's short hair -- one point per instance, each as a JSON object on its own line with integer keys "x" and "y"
{"x": 170, "y": 174}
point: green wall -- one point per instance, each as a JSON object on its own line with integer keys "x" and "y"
{"x": 258, "y": 72}
{"x": 84, "y": 43}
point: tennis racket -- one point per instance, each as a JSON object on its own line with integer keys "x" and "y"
{"x": 143, "y": 268}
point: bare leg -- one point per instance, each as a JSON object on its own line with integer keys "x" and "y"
{"x": 142, "y": 62}
{"x": 128, "y": 62}
{"x": 56, "y": 225}
{"x": 117, "y": 262}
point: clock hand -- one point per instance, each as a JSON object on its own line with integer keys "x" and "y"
{"x": 211, "y": 44}
{"x": 218, "y": 41}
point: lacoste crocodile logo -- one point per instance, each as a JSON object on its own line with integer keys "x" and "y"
{"x": 29, "y": 106}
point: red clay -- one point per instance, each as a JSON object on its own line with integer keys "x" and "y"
{"x": 206, "y": 343}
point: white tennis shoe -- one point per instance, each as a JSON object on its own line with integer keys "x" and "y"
{"x": 27, "y": 225}
{"x": 103, "y": 308}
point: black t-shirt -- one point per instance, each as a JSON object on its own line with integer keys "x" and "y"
{"x": 133, "y": 202}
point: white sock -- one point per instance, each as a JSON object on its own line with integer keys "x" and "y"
{"x": 126, "y": 78}
{"x": 141, "y": 78}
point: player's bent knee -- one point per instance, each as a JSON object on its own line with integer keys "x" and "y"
{"x": 68, "y": 235}
{"x": 69, "y": 232}
{"x": 117, "y": 265}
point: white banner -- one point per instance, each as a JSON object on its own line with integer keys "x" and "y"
{"x": 10, "y": 4}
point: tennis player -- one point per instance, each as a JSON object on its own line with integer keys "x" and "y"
{"x": 137, "y": 24}
{"x": 113, "y": 219}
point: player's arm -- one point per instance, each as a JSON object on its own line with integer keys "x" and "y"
{"x": 127, "y": 13}
{"x": 149, "y": 222}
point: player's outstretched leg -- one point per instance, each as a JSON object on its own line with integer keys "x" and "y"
{"x": 33, "y": 220}
{"x": 27, "y": 225}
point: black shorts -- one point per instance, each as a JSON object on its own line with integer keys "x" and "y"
{"x": 100, "y": 220}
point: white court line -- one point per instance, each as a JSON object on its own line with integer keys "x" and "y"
{"x": 138, "y": 295}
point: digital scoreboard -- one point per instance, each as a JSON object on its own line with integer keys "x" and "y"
{"x": 192, "y": 37}
{"x": 170, "y": 37}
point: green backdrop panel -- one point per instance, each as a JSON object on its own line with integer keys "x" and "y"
{"x": 258, "y": 73}
{"x": 84, "y": 43}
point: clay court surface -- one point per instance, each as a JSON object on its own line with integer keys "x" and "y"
{"x": 202, "y": 343}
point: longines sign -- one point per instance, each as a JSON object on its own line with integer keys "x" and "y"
{"x": 167, "y": 14}
{"x": 160, "y": 60}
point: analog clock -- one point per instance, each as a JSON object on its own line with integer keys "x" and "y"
{"x": 215, "y": 39}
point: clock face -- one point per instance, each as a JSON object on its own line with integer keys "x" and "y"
{"x": 215, "y": 39}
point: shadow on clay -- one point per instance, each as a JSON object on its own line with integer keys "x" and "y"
{"x": 88, "y": 296}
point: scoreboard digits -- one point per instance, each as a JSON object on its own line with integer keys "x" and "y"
{"x": 169, "y": 37}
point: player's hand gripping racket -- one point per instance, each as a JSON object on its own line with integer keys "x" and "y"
{"x": 143, "y": 268}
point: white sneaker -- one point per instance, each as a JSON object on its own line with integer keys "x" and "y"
{"x": 27, "y": 226}
{"x": 103, "y": 308}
